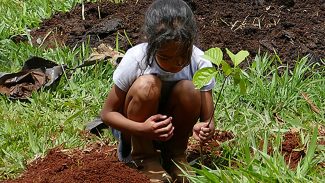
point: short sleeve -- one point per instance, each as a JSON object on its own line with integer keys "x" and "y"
{"x": 128, "y": 69}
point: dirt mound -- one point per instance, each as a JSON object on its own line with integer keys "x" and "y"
{"x": 290, "y": 149}
{"x": 98, "y": 164}
{"x": 292, "y": 29}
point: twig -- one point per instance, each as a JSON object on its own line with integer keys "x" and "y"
{"x": 83, "y": 10}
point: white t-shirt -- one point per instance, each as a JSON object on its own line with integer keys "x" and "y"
{"x": 133, "y": 65}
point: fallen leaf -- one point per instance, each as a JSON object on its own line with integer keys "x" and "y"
{"x": 311, "y": 103}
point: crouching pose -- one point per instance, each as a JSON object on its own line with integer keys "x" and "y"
{"x": 153, "y": 106}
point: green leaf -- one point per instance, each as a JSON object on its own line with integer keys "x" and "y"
{"x": 203, "y": 76}
{"x": 310, "y": 152}
{"x": 238, "y": 58}
{"x": 214, "y": 55}
{"x": 226, "y": 68}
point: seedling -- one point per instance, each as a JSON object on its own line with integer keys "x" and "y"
{"x": 204, "y": 75}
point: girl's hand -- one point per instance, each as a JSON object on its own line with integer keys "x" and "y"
{"x": 158, "y": 127}
{"x": 202, "y": 132}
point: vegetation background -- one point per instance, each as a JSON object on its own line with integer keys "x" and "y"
{"x": 272, "y": 106}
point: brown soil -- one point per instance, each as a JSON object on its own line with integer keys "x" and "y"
{"x": 97, "y": 164}
{"x": 292, "y": 150}
{"x": 269, "y": 146}
{"x": 209, "y": 154}
{"x": 292, "y": 29}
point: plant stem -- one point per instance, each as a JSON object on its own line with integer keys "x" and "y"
{"x": 215, "y": 105}
{"x": 214, "y": 108}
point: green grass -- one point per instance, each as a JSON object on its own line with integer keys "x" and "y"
{"x": 252, "y": 119}
{"x": 18, "y": 17}
{"x": 57, "y": 117}
{"x": 50, "y": 117}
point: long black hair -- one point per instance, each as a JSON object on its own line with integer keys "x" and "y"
{"x": 167, "y": 20}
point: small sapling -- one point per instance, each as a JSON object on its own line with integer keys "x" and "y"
{"x": 204, "y": 75}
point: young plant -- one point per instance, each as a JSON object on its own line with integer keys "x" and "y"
{"x": 215, "y": 55}
{"x": 204, "y": 75}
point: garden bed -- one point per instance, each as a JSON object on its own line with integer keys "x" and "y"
{"x": 292, "y": 30}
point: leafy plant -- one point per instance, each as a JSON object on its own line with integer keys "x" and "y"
{"x": 215, "y": 55}
{"x": 204, "y": 75}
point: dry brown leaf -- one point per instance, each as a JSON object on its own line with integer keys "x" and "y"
{"x": 294, "y": 130}
{"x": 104, "y": 51}
{"x": 311, "y": 103}
{"x": 278, "y": 118}
{"x": 321, "y": 131}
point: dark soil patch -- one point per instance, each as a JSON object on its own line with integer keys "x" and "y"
{"x": 291, "y": 149}
{"x": 98, "y": 164}
{"x": 292, "y": 29}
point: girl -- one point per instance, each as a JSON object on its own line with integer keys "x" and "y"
{"x": 153, "y": 106}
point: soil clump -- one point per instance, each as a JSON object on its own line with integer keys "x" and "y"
{"x": 290, "y": 149}
{"x": 97, "y": 164}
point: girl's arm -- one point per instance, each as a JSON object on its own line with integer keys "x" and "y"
{"x": 112, "y": 115}
{"x": 204, "y": 131}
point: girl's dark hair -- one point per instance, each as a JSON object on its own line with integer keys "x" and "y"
{"x": 167, "y": 20}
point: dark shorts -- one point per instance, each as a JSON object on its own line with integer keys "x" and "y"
{"x": 165, "y": 93}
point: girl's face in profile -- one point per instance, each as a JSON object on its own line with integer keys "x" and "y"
{"x": 171, "y": 57}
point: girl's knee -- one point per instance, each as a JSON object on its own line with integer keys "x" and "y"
{"x": 185, "y": 90}
{"x": 146, "y": 87}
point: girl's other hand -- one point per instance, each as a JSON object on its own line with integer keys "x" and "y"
{"x": 202, "y": 132}
{"x": 158, "y": 127}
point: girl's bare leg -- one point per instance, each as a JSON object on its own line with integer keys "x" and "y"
{"x": 142, "y": 101}
{"x": 184, "y": 105}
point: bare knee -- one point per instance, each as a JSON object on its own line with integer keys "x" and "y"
{"x": 186, "y": 94}
{"x": 146, "y": 88}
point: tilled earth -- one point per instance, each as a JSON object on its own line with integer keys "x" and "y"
{"x": 292, "y": 29}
